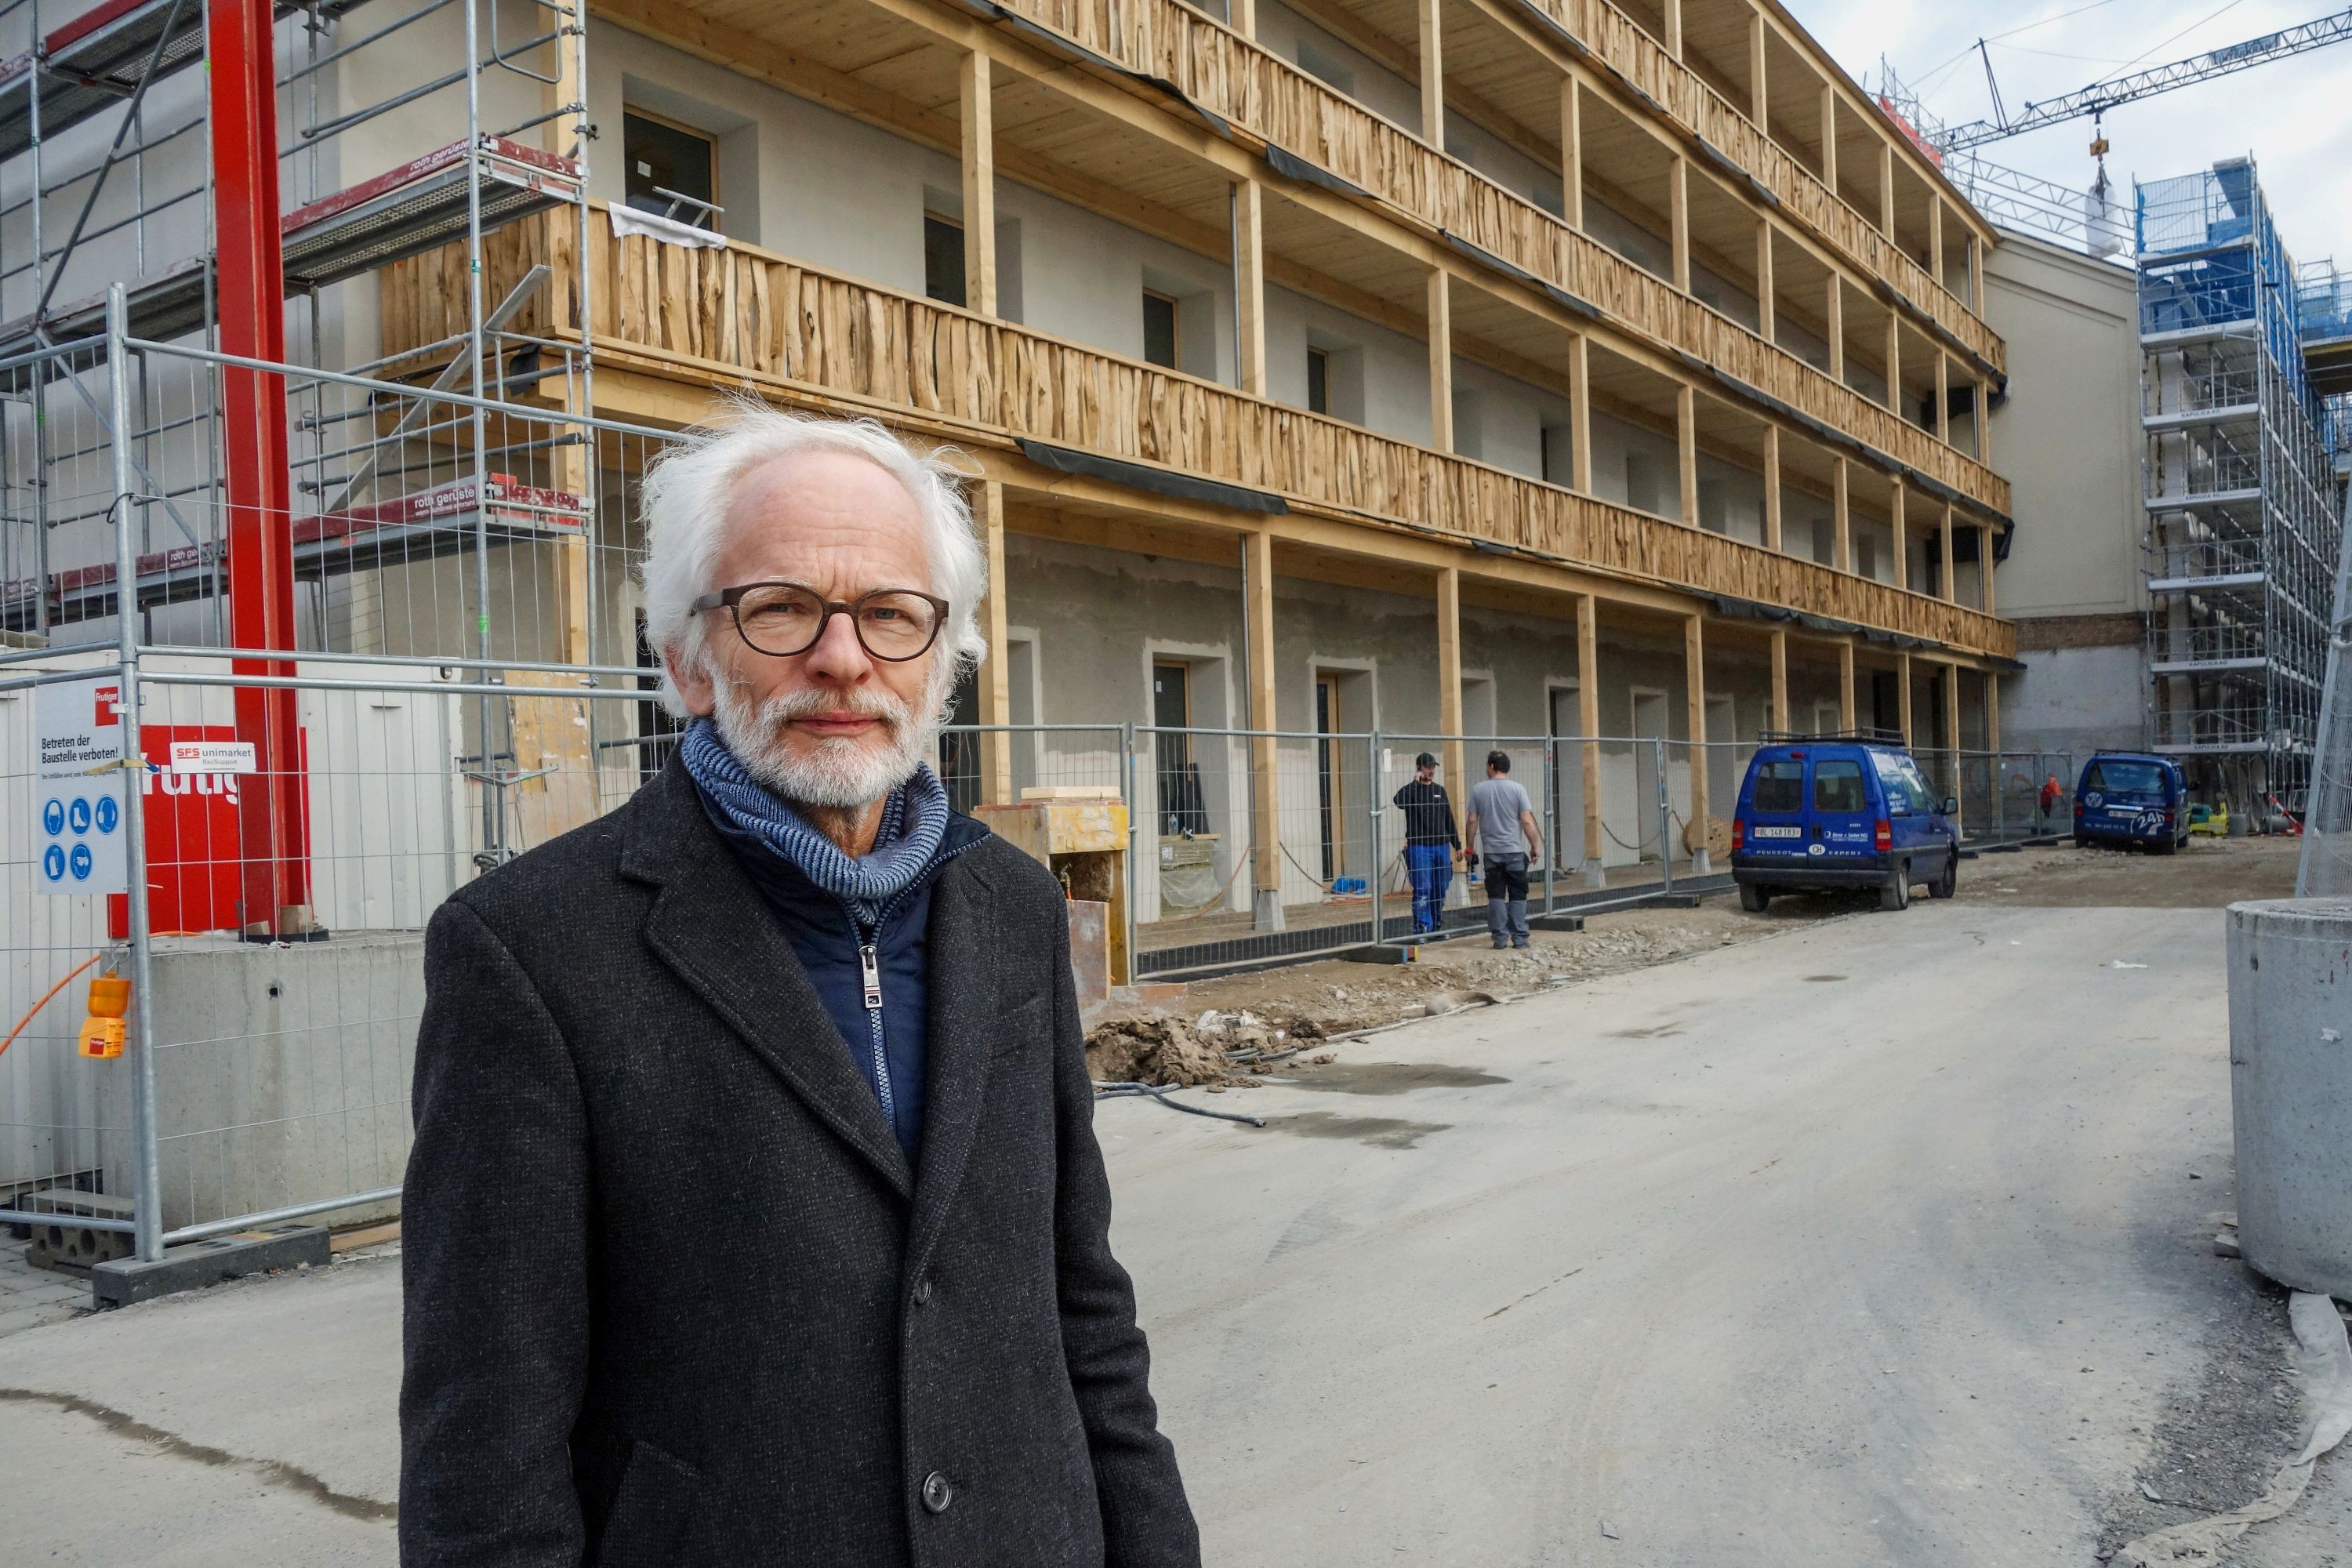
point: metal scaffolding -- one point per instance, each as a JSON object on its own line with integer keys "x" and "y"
{"x": 2242, "y": 494}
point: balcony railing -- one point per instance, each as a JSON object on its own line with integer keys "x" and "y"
{"x": 726, "y": 316}
{"x": 1692, "y": 104}
{"x": 1269, "y": 98}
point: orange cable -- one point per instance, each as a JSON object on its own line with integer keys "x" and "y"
{"x": 44, "y": 1002}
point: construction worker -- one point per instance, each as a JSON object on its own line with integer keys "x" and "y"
{"x": 1430, "y": 843}
{"x": 1503, "y": 834}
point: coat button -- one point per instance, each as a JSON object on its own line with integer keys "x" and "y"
{"x": 923, "y": 1291}
{"x": 937, "y": 1493}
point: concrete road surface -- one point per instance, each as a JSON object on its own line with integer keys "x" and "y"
{"x": 1876, "y": 1242}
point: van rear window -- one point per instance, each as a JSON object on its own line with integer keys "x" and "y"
{"x": 1781, "y": 786}
{"x": 1837, "y": 787}
{"x": 2124, "y": 778}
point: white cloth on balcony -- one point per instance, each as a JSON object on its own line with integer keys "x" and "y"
{"x": 627, "y": 221}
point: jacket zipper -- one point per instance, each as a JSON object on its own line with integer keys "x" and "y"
{"x": 869, "y": 973}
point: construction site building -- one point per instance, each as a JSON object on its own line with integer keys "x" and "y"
{"x": 2243, "y": 499}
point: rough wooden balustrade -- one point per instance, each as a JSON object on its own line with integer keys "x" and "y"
{"x": 1618, "y": 39}
{"x": 1269, "y": 98}
{"x": 741, "y": 309}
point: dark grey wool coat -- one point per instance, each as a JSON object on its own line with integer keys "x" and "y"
{"x": 673, "y": 1296}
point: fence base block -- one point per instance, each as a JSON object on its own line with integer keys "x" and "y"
{"x": 194, "y": 1265}
{"x": 1554, "y": 922}
{"x": 1379, "y": 953}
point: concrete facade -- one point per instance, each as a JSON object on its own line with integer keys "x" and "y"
{"x": 2068, "y": 436}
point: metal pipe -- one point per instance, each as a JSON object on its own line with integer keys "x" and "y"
{"x": 148, "y": 1184}
{"x": 75, "y": 1222}
{"x": 1665, "y": 820}
{"x": 270, "y": 1216}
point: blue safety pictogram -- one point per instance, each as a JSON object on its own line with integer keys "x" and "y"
{"x": 53, "y": 863}
{"x": 78, "y": 814}
{"x": 80, "y": 862}
{"x": 53, "y": 817}
{"x": 109, "y": 814}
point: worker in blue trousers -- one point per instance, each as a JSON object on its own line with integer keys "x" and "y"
{"x": 1430, "y": 843}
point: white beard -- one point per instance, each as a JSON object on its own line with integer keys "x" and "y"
{"x": 833, "y": 772}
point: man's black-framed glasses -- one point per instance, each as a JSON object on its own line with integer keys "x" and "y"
{"x": 787, "y": 618}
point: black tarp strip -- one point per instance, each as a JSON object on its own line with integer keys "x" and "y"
{"x": 1590, "y": 312}
{"x": 1156, "y": 481}
{"x": 1292, "y": 166}
{"x": 1485, "y": 257}
{"x": 1719, "y": 157}
{"x": 1762, "y": 192}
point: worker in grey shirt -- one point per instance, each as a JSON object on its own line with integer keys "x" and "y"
{"x": 1502, "y": 829}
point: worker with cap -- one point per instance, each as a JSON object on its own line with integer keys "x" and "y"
{"x": 1430, "y": 842}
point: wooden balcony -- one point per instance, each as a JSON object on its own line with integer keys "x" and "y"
{"x": 1266, "y": 98}
{"x": 726, "y": 317}
{"x": 1694, "y": 106}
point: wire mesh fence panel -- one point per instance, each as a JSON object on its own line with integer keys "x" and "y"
{"x": 61, "y": 1131}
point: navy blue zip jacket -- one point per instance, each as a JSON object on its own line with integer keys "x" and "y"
{"x": 826, "y": 936}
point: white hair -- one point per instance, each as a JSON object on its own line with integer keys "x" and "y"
{"x": 685, "y": 501}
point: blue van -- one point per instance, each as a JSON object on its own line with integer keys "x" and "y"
{"x": 2131, "y": 797}
{"x": 1840, "y": 811}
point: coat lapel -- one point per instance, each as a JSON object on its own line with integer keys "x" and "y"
{"x": 966, "y": 956}
{"x": 710, "y": 925}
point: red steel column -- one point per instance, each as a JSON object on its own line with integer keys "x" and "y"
{"x": 241, "y": 53}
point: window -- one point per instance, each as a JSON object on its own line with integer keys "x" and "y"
{"x": 672, "y": 169}
{"x": 1837, "y": 787}
{"x": 1907, "y": 791}
{"x": 2124, "y": 778}
{"x": 1159, "y": 335}
{"x": 1182, "y": 806}
{"x": 959, "y": 748}
{"x": 1318, "y": 381}
{"x": 943, "y": 260}
{"x": 1780, "y": 787}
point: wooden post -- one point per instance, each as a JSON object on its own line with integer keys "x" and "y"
{"x": 1686, "y": 444}
{"x": 1829, "y": 136}
{"x": 1845, "y": 687}
{"x": 1895, "y": 364}
{"x": 1571, "y": 154}
{"x": 1842, "y": 509}
{"x": 1678, "y": 211}
{"x": 1449, "y": 682}
{"x": 1951, "y": 580}
{"x": 1767, "y": 323}
{"x": 1984, "y": 422}
{"x": 1943, "y": 397}
{"x": 1781, "y": 718}
{"x": 1695, "y": 693}
{"x": 1771, "y": 486}
{"x": 1265, "y": 845}
{"x": 1759, "y": 97}
{"x": 1441, "y": 362}
{"x": 1579, "y": 414}
{"x": 1976, "y": 274}
{"x": 995, "y": 680}
{"x": 1902, "y": 695}
{"x": 979, "y": 184}
{"x": 1833, "y": 308}
{"x": 1992, "y": 715}
{"x": 1243, "y": 15}
{"x": 1886, "y": 188}
{"x": 571, "y": 468}
{"x": 1673, "y": 18}
{"x": 1249, "y": 286}
{"x": 1935, "y": 238}
{"x": 1985, "y": 563}
{"x": 1432, "y": 73}
{"x": 1897, "y": 526}
{"x": 1952, "y": 726}
{"x": 1588, "y": 720}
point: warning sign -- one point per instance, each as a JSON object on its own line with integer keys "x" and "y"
{"x": 78, "y": 798}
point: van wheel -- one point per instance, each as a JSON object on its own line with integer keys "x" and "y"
{"x": 1753, "y": 898}
{"x": 1894, "y": 893}
{"x": 2082, "y": 841}
{"x": 2171, "y": 845}
{"x": 1948, "y": 883}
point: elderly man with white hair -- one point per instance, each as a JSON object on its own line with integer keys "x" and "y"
{"x": 755, "y": 1214}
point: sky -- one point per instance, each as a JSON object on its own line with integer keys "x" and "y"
{"x": 2294, "y": 116}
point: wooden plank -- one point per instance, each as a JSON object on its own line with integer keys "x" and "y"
{"x": 1587, "y": 719}
{"x": 977, "y": 100}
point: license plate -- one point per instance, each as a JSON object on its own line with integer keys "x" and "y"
{"x": 1763, "y": 832}
{"x": 2124, "y": 810}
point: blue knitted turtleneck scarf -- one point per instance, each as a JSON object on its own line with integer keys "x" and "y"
{"x": 914, "y": 820}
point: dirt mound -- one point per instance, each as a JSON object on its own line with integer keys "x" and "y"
{"x": 1157, "y": 1051}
